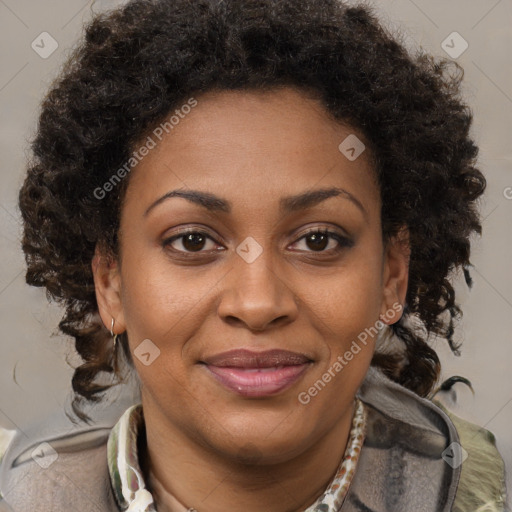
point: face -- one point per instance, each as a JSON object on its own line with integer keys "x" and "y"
{"x": 246, "y": 229}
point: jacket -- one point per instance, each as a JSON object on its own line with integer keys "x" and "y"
{"x": 416, "y": 457}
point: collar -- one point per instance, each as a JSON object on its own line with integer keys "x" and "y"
{"x": 407, "y": 462}
{"x": 129, "y": 485}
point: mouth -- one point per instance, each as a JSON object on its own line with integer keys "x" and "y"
{"x": 257, "y": 374}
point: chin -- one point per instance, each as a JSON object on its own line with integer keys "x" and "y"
{"x": 260, "y": 446}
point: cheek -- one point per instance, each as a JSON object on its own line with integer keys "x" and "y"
{"x": 346, "y": 313}
{"x": 346, "y": 316}
{"x": 157, "y": 301}
{"x": 169, "y": 307}
{"x": 349, "y": 300}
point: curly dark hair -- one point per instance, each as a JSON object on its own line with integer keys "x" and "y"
{"x": 139, "y": 62}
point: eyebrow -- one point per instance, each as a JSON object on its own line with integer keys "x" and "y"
{"x": 289, "y": 204}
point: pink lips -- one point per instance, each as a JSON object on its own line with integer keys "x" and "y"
{"x": 257, "y": 374}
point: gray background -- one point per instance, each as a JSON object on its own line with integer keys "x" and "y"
{"x": 34, "y": 378}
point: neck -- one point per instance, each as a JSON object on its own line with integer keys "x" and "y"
{"x": 181, "y": 474}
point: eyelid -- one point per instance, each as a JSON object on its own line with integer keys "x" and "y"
{"x": 323, "y": 229}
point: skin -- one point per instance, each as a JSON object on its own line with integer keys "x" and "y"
{"x": 210, "y": 447}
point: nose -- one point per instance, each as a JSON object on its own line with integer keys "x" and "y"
{"x": 255, "y": 295}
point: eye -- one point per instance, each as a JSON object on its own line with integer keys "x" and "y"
{"x": 317, "y": 240}
{"x": 189, "y": 241}
{"x": 325, "y": 241}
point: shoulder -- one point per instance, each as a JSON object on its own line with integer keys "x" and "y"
{"x": 408, "y": 460}
{"x": 482, "y": 479}
{"x": 74, "y": 476}
{"x": 59, "y": 474}
{"x": 401, "y": 464}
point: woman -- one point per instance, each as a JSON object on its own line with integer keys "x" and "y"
{"x": 256, "y": 206}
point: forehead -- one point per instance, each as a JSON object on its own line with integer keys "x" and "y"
{"x": 254, "y": 144}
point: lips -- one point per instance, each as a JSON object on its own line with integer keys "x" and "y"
{"x": 257, "y": 374}
{"x": 249, "y": 359}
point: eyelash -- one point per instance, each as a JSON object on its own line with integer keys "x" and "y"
{"x": 343, "y": 242}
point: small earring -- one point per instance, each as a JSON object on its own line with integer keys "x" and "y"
{"x": 112, "y": 332}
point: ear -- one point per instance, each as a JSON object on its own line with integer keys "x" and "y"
{"x": 107, "y": 283}
{"x": 395, "y": 276}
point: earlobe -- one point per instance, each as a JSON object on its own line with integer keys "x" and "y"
{"x": 395, "y": 277}
{"x": 107, "y": 283}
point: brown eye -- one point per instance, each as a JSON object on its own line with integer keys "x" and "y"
{"x": 194, "y": 242}
{"x": 189, "y": 242}
{"x": 325, "y": 241}
{"x": 318, "y": 241}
